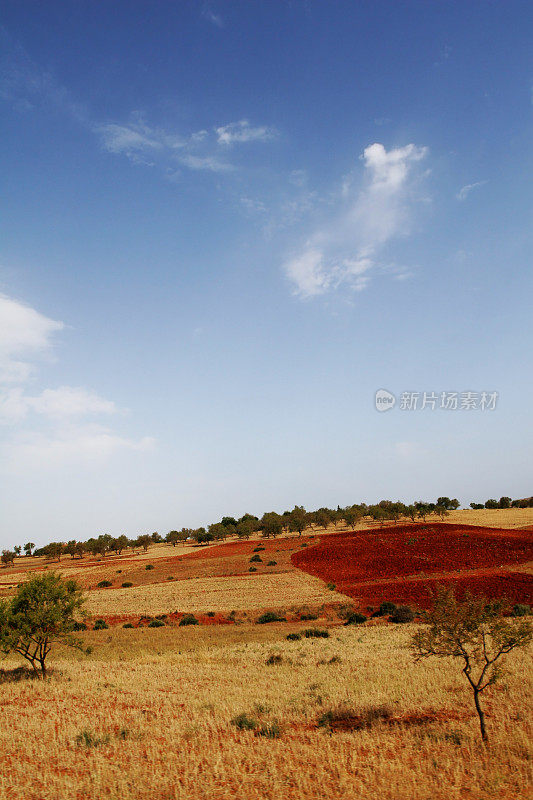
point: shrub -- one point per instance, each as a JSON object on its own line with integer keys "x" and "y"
{"x": 271, "y": 731}
{"x": 80, "y": 626}
{"x": 385, "y": 609}
{"x": 270, "y": 616}
{"x": 157, "y": 623}
{"x": 252, "y": 569}
{"x": 104, "y": 584}
{"x": 88, "y": 739}
{"x": 331, "y": 586}
{"x": 127, "y": 584}
{"x": 316, "y": 633}
{"x": 402, "y": 614}
{"x": 256, "y": 559}
{"x": 100, "y": 625}
{"x": 170, "y": 577}
{"x": 211, "y": 614}
{"x": 188, "y": 619}
{"x": 244, "y": 723}
{"x": 149, "y": 566}
{"x": 344, "y": 717}
{"x": 128, "y": 625}
{"x": 521, "y": 610}
{"x": 355, "y": 619}
{"x": 272, "y": 563}
{"x": 258, "y": 549}
{"x": 308, "y": 616}
{"x": 294, "y": 637}
{"x": 275, "y": 658}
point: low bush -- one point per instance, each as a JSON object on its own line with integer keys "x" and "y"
{"x": 275, "y": 658}
{"x": 331, "y": 586}
{"x": 316, "y": 633}
{"x": 211, "y": 614}
{"x": 170, "y": 577}
{"x": 384, "y": 609}
{"x": 188, "y": 619}
{"x": 80, "y": 626}
{"x": 157, "y": 623}
{"x": 258, "y": 549}
{"x": 521, "y": 610}
{"x": 149, "y": 566}
{"x": 256, "y": 559}
{"x": 272, "y": 563}
{"x": 104, "y": 584}
{"x": 344, "y": 717}
{"x": 270, "y": 616}
{"x": 270, "y": 731}
{"x": 252, "y": 569}
{"x": 128, "y": 625}
{"x": 293, "y": 637}
{"x": 88, "y": 739}
{"x": 402, "y": 614}
{"x": 100, "y": 625}
{"x": 308, "y": 616}
{"x": 355, "y": 619}
{"x": 127, "y": 584}
{"x": 244, "y": 723}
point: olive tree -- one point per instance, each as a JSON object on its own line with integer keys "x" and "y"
{"x": 42, "y": 613}
{"x": 477, "y": 634}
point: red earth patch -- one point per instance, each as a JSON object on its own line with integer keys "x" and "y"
{"x": 405, "y": 564}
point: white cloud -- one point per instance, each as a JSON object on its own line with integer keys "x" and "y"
{"x": 242, "y": 131}
{"x": 70, "y": 446}
{"x": 24, "y": 333}
{"x": 70, "y": 401}
{"x": 210, "y": 163}
{"x": 214, "y": 19}
{"x": 463, "y": 193}
{"x": 25, "y": 336}
{"x": 408, "y": 451}
{"x": 366, "y": 218}
{"x": 200, "y": 150}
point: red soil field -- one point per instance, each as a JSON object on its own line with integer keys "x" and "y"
{"x": 372, "y": 566}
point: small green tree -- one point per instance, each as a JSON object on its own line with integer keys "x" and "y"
{"x": 8, "y": 557}
{"x": 476, "y": 633}
{"x": 28, "y": 548}
{"x": 298, "y": 519}
{"x": 42, "y": 613}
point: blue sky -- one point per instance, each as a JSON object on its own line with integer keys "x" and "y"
{"x": 226, "y": 225}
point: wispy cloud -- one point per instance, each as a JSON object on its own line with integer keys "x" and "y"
{"x": 214, "y": 19}
{"x": 463, "y": 193}
{"x": 242, "y": 131}
{"x": 25, "y": 334}
{"x": 345, "y": 249}
{"x": 72, "y": 445}
{"x": 26, "y": 86}
{"x": 53, "y": 421}
{"x": 205, "y": 149}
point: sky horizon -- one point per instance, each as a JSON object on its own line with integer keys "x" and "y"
{"x": 227, "y": 225}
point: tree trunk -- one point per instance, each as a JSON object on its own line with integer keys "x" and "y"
{"x": 481, "y": 716}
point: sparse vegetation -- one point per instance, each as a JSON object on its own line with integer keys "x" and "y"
{"x": 476, "y": 633}
{"x": 188, "y": 619}
{"x": 270, "y": 616}
{"x": 316, "y": 633}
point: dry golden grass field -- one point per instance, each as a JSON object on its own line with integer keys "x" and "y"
{"x": 147, "y": 716}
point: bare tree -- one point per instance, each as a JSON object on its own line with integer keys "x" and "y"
{"x": 476, "y": 633}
